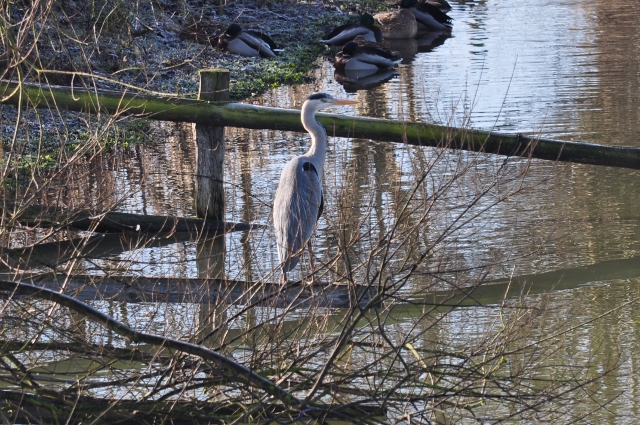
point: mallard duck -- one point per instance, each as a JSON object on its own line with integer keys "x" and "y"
{"x": 443, "y": 5}
{"x": 429, "y": 16}
{"x": 398, "y": 23}
{"x": 354, "y": 57}
{"x": 246, "y": 43}
{"x": 362, "y": 42}
{"x": 367, "y": 27}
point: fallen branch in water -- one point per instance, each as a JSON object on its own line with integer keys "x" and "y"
{"x": 235, "y": 370}
{"x": 114, "y": 222}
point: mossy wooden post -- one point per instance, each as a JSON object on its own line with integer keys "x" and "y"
{"x": 210, "y": 148}
{"x": 209, "y": 196}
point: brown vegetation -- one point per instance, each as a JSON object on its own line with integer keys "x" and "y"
{"x": 84, "y": 340}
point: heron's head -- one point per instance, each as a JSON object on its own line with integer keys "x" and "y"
{"x": 318, "y": 101}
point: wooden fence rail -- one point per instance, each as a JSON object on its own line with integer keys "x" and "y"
{"x": 127, "y": 102}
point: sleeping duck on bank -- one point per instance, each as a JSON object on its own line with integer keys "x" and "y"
{"x": 428, "y": 16}
{"x": 246, "y": 43}
{"x": 362, "y": 42}
{"x": 443, "y": 5}
{"x": 364, "y": 58}
{"x": 367, "y": 27}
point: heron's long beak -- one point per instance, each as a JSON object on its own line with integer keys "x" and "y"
{"x": 345, "y": 102}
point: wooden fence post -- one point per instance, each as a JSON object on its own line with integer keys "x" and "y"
{"x": 210, "y": 149}
{"x": 209, "y": 196}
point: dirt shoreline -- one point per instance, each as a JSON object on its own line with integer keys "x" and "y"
{"x": 144, "y": 44}
{"x": 152, "y": 45}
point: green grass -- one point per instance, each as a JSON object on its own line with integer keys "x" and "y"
{"x": 291, "y": 67}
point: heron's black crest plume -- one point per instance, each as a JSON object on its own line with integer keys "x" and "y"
{"x": 318, "y": 96}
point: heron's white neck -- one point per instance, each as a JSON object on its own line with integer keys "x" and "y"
{"x": 318, "y": 149}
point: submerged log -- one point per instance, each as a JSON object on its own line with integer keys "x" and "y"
{"x": 248, "y": 116}
{"x": 51, "y": 255}
{"x": 237, "y": 372}
{"x": 181, "y": 290}
{"x": 111, "y": 221}
{"x": 83, "y": 409}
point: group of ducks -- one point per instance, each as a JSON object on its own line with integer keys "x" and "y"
{"x": 361, "y": 41}
{"x": 362, "y": 48}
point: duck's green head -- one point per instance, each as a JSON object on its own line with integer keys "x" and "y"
{"x": 407, "y": 4}
{"x": 233, "y": 30}
{"x": 367, "y": 20}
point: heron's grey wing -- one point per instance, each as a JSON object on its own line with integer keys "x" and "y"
{"x": 295, "y": 209}
{"x": 308, "y": 167}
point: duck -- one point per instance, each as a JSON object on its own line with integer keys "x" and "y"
{"x": 429, "y": 17}
{"x": 398, "y": 23}
{"x": 246, "y": 43}
{"x": 443, "y": 5}
{"x": 363, "y": 42}
{"x": 366, "y": 27}
{"x": 364, "y": 58}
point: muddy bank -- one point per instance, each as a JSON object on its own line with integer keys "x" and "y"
{"x": 153, "y": 45}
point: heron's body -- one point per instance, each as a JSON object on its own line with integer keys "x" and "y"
{"x": 298, "y": 202}
{"x": 300, "y": 197}
{"x": 246, "y": 43}
{"x": 366, "y": 28}
{"x": 356, "y": 58}
{"x": 397, "y": 24}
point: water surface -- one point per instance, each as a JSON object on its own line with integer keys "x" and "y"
{"x": 564, "y": 69}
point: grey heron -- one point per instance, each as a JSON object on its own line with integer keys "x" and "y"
{"x": 298, "y": 202}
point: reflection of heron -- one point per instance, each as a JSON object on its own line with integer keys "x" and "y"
{"x": 298, "y": 202}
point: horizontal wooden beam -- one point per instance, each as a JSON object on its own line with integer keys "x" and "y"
{"x": 112, "y": 221}
{"x": 181, "y": 290}
{"x": 164, "y": 108}
{"x": 84, "y": 409}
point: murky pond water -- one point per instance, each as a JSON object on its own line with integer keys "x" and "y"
{"x": 563, "y": 69}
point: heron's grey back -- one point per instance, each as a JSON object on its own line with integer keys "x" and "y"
{"x": 295, "y": 209}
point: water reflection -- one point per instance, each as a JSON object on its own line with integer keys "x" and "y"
{"x": 353, "y": 81}
{"x": 573, "y": 77}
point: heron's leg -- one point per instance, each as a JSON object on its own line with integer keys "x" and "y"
{"x": 284, "y": 278}
{"x": 312, "y": 265}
